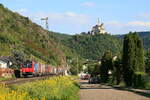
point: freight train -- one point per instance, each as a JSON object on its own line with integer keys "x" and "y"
{"x": 38, "y": 69}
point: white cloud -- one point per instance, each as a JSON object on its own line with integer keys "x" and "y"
{"x": 118, "y": 27}
{"x": 62, "y": 22}
{"x": 114, "y": 27}
{"x": 144, "y": 16}
{"x": 139, "y": 24}
{"x": 128, "y": 24}
{"x": 66, "y": 17}
{"x": 88, "y": 4}
{"x": 114, "y": 23}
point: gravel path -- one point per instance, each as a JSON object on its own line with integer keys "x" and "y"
{"x": 101, "y": 92}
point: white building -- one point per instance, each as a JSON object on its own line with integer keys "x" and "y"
{"x": 5, "y": 62}
{"x": 98, "y": 29}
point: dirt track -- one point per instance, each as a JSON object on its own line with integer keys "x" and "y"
{"x": 101, "y": 92}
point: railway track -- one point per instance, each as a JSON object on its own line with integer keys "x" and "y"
{"x": 23, "y": 80}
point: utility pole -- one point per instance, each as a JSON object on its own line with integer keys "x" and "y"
{"x": 46, "y": 22}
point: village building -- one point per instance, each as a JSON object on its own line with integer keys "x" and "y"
{"x": 5, "y": 62}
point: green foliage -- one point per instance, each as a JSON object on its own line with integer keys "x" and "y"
{"x": 145, "y": 36}
{"x": 18, "y": 58}
{"x": 4, "y": 49}
{"x": 133, "y": 58}
{"x": 147, "y": 61}
{"x": 146, "y": 82}
{"x": 75, "y": 65}
{"x": 93, "y": 47}
{"x": 138, "y": 80}
{"x": 4, "y": 78}
{"x": 117, "y": 71}
{"x": 56, "y": 88}
{"x": 91, "y": 69}
{"x": 106, "y": 66}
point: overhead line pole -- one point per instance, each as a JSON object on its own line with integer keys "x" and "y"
{"x": 46, "y": 22}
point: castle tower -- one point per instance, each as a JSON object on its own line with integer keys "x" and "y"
{"x": 98, "y": 29}
{"x": 98, "y": 22}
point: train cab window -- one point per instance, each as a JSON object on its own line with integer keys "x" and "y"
{"x": 25, "y": 66}
{"x": 28, "y": 65}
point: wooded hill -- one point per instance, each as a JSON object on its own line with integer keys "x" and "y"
{"x": 146, "y": 39}
{"x": 20, "y": 35}
{"x": 145, "y": 36}
{"x": 93, "y": 46}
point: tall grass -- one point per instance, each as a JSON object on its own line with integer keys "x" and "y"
{"x": 8, "y": 94}
{"x": 55, "y": 88}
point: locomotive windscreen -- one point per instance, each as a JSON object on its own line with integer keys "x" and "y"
{"x": 28, "y": 65}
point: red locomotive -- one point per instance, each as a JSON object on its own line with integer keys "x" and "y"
{"x": 38, "y": 69}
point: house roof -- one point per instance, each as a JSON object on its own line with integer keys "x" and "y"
{"x": 5, "y": 59}
{"x": 2, "y": 61}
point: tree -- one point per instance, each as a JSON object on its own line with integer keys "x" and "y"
{"x": 133, "y": 58}
{"x": 117, "y": 70}
{"x": 106, "y": 66}
{"x": 147, "y": 62}
{"x": 93, "y": 69}
{"x": 18, "y": 58}
{"x": 1, "y": 5}
{"x": 75, "y": 65}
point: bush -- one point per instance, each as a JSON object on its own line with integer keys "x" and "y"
{"x": 142, "y": 81}
{"x": 146, "y": 82}
{"x": 138, "y": 80}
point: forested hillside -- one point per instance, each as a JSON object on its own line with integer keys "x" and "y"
{"x": 145, "y": 36}
{"x": 93, "y": 46}
{"x": 146, "y": 39}
{"x": 20, "y": 35}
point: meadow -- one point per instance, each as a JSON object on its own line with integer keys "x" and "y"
{"x": 55, "y": 88}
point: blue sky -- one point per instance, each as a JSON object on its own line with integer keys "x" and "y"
{"x": 75, "y": 16}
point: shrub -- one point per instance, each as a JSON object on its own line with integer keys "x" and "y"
{"x": 146, "y": 82}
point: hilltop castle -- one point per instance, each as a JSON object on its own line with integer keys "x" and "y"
{"x": 98, "y": 29}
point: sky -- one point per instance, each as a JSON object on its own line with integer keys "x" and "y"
{"x": 76, "y": 16}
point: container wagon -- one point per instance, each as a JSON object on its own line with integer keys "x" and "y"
{"x": 36, "y": 69}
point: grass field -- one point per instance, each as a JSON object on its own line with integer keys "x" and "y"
{"x": 55, "y": 88}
